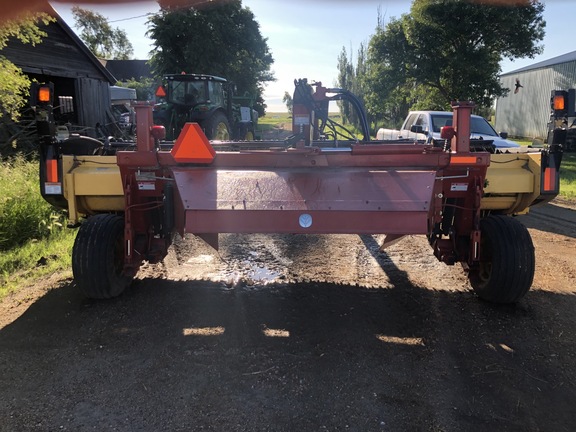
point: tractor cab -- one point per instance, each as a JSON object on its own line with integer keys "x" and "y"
{"x": 192, "y": 91}
{"x": 193, "y": 98}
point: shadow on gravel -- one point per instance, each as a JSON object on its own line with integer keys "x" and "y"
{"x": 551, "y": 218}
{"x": 193, "y": 355}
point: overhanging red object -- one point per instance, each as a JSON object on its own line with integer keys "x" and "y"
{"x": 192, "y": 146}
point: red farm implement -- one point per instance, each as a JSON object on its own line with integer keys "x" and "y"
{"x": 135, "y": 198}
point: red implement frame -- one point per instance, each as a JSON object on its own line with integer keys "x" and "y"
{"x": 367, "y": 188}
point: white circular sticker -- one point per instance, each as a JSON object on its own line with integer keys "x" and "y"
{"x": 305, "y": 220}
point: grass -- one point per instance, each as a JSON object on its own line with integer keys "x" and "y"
{"x": 33, "y": 240}
{"x": 24, "y": 215}
{"x": 568, "y": 176}
{"x": 275, "y": 120}
{"x": 35, "y": 260}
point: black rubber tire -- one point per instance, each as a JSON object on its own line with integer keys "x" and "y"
{"x": 244, "y": 132}
{"x": 217, "y": 127}
{"x": 507, "y": 261}
{"x": 98, "y": 257}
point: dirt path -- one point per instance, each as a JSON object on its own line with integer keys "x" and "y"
{"x": 298, "y": 333}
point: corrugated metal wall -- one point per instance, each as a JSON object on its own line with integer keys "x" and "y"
{"x": 526, "y": 113}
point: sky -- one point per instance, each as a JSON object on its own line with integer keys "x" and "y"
{"x": 306, "y": 37}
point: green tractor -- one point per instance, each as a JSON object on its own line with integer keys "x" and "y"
{"x": 209, "y": 101}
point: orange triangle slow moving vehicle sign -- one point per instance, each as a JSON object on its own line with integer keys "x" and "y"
{"x": 160, "y": 92}
{"x": 192, "y": 146}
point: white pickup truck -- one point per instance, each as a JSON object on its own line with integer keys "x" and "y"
{"x": 426, "y": 125}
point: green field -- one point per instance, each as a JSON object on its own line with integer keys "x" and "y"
{"x": 273, "y": 120}
{"x": 282, "y": 121}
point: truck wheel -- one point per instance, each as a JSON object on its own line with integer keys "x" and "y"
{"x": 507, "y": 262}
{"x": 98, "y": 257}
{"x": 217, "y": 127}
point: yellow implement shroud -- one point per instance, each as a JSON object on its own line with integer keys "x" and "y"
{"x": 92, "y": 184}
{"x": 513, "y": 183}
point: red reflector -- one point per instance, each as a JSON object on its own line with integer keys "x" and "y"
{"x": 160, "y": 92}
{"x": 468, "y": 160}
{"x": 52, "y": 171}
{"x": 192, "y": 146}
{"x": 549, "y": 179}
{"x": 44, "y": 94}
{"x": 158, "y": 132}
{"x": 559, "y": 102}
{"x": 447, "y": 132}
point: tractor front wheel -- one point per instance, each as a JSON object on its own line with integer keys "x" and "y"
{"x": 217, "y": 127}
{"x": 507, "y": 263}
{"x": 244, "y": 132}
{"x": 98, "y": 257}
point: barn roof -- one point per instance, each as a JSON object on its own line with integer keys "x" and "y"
{"x": 125, "y": 70}
{"x": 82, "y": 47}
{"x": 61, "y": 53}
{"x": 564, "y": 58}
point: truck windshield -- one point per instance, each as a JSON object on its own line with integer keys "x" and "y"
{"x": 478, "y": 125}
{"x": 441, "y": 120}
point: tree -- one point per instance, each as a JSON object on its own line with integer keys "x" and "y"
{"x": 287, "y": 99}
{"x": 14, "y": 85}
{"x": 355, "y": 79}
{"x": 103, "y": 40}
{"x": 144, "y": 87}
{"x": 218, "y": 39}
{"x": 346, "y": 77}
{"x": 451, "y": 50}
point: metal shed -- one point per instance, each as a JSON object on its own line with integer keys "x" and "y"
{"x": 526, "y": 113}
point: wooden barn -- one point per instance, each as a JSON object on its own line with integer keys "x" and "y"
{"x": 525, "y": 112}
{"x": 81, "y": 82}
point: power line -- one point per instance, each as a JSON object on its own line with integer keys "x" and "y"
{"x": 131, "y": 18}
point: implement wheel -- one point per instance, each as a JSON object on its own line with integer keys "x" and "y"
{"x": 507, "y": 262}
{"x": 98, "y": 257}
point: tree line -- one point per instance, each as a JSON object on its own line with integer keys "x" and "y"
{"x": 442, "y": 51}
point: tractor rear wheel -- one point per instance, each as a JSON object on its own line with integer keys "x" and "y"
{"x": 507, "y": 261}
{"x": 98, "y": 257}
{"x": 217, "y": 127}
